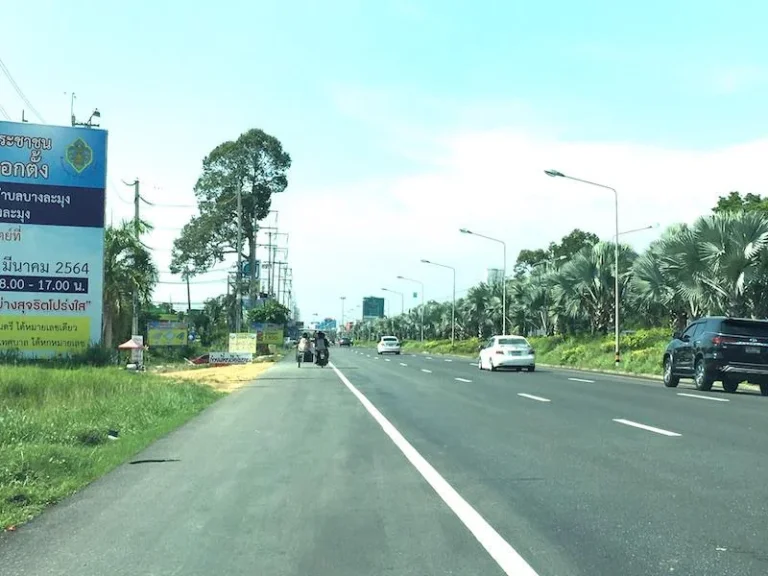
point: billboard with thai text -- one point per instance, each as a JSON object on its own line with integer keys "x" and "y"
{"x": 52, "y": 182}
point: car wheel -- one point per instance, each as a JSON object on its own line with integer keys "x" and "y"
{"x": 398, "y": 353}
{"x": 731, "y": 384}
{"x": 764, "y": 388}
{"x": 518, "y": 369}
{"x": 531, "y": 368}
{"x": 670, "y": 380}
{"x": 493, "y": 368}
{"x": 701, "y": 378}
{"x": 479, "y": 363}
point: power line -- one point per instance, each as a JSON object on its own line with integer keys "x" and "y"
{"x": 216, "y": 281}
{"x": 4, "y": 113}
{"x": 19, "y": 91}
{"x": 156, "y": 205}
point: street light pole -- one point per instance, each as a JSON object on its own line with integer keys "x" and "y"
{"x": 422, "y": 300}
{"x": 342, "y": 313}
{"x": 616, "y": 312}
{"x": 402, "y": 299}
{"x": 504, "y": 279}
{"x": 453, "y": 301}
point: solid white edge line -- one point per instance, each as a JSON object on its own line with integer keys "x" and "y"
{"x": 499, "y": 549}
{"x": 582, "y": 380}
{"x": 646, "y": 427}
{"x": 462, "y": 380}
{"x": 532, "y": 397}
{"x": 701, "y": 397}
{"x": 427, "y": 371}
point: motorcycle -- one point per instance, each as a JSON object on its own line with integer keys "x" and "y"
{"x": 322, "y": 358}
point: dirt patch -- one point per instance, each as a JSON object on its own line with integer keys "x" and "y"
{"x": 222, "y": 378}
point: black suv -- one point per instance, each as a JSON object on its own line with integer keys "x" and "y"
{"x": 731, "y": 350}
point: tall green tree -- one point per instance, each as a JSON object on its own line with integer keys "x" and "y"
{"x": 735, "y": 202}
{"x": 256, "y": 166}
{"x": 127, "y": 262}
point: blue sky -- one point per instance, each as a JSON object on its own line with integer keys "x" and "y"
{"x": 385, "y": 106}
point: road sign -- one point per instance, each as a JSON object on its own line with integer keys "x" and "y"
{"x": 247, "y": 269}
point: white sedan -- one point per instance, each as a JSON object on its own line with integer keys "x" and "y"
{"x": 388, "y": 345}
{"x": 507, "y": 352}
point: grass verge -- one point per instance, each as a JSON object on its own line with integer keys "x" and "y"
{"x": 54, "y": 428}
{"x": 641, "y": 350}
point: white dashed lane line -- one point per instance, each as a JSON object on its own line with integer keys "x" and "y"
{"x": 702, "y": 397}
{"x": 403, "y": 364}
{"x": 448, "y": 360}
{"x": 427, "y": 371}
{"x": 429, "y": 358}
{"x": 646, "y": 427}
{"x": 582, "y": 380}
{"x": 462, "y": 380}
{"x": 532, "y": 397}
{"x": 387, "y": 360}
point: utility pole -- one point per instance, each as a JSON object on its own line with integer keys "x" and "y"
{"x": 136, "y": 232}
{"x": 189, "y": 294}
{"x": 239, "y": 287}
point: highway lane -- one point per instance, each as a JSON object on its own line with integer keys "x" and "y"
{"x": 743, "y": 421}
{"x": 289, "y": 476}
{"x": 563, "y": 480}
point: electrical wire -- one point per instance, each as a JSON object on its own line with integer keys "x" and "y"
{"x": 19, "y": 91}
{"x": 4, "y": 113}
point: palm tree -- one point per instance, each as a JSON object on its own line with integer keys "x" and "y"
{"x": 127, "y": 263}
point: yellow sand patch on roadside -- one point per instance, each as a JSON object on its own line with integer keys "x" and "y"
{"x": 222, "y": 378}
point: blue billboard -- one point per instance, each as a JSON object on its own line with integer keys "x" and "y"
{"x": 52, "y": 202}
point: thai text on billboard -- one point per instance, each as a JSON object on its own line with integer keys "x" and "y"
{"x": 52, "y": 182}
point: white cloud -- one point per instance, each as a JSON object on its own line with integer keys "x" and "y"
{"x": 736, "y": 79}
{"x": 493, "y": 182}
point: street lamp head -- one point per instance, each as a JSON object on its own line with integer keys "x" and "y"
{"x": 401, "y": 277}
{"x": 425, "y": 261}
{"x": 464, "y": 231}
{"x": 96, "y": 113}
{"x": 554, "y": 173}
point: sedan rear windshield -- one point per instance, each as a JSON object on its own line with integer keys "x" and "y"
{"x": 745, "y": 328}
{"x": 513, "y": 342}
{"x": 389, "y": 339}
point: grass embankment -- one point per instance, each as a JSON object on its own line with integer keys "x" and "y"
{"x": 54, "y": 426}
{"x": 641, "y": 351}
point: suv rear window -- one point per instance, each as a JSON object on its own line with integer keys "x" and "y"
{"x": 745, "y": 328}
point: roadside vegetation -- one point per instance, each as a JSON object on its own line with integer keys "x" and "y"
{"x": 561, "y": 296}
{"x": 55, "y": 426}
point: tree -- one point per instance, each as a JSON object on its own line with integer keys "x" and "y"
{"x": 272, "y": 312}
{"x": 127, "y": 262}
{"x": 255, "y": 165}
{"x": 569, "y": 245}
{"x": 735, "y": 202}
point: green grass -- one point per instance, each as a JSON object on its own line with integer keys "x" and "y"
{"x": 54, "y": 424}
{"x": 641, "y": 350}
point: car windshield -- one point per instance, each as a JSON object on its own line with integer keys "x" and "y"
{"x": 512, "y": 342}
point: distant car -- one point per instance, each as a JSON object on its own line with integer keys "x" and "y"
{"x": 731, "y": 350}
{"x": 388, "y": 345}
{"x": 344, "y": 341}
{"x": 507, "y": 352}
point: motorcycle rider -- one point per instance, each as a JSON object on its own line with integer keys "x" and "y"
{"x": 305, "y": 345}
{"x": 321, "y": 345}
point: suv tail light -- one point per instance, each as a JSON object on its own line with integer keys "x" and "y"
{"x": 718, "y": 340}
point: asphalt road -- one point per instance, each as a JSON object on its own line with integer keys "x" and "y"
{"x": 425, "y": 465}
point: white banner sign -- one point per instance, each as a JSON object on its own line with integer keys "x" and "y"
{"x": 230, "y": 357}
